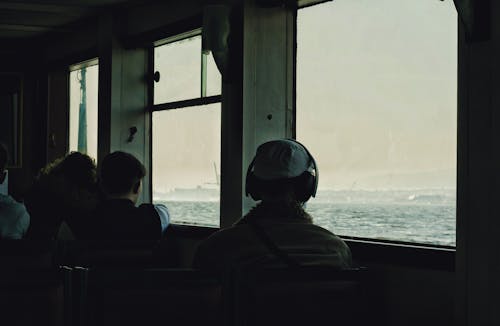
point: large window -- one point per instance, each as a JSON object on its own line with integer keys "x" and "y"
{"x": 83, "y": 87}
{"x": 376, "y": 106}
{"x": 186, "y": 131}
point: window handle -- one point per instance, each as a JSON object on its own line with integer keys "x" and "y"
{"x": 156, "y": 76}
{"x": 132, "y": 132}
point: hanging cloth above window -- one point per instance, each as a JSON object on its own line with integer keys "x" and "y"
{"x": 475, "y": 16}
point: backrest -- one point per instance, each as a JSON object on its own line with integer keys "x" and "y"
{"x": 120, "y": 254}
{"x": 150, "y": 296}
{"x": 300, "y": 296}
{"x": 28, "y": 254}
{"x": 35, "y": 297}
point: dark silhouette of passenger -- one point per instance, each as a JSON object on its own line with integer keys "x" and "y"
{"x": 63, "y": 197}
{"x": 117, "y": 217}
{"x": 14, "y": 219}
{"x": 278, "y": 231}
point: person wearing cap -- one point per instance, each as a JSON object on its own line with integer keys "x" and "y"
{"x": 277, "y": 231}
{"x": 14, "y": 219}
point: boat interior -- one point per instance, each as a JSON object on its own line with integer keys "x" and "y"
{"x": 254, "y": 45}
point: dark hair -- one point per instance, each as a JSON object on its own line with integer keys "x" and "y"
{"x": 4, "y": 156}
{"x": 77, "y": 168}
{"x": 120, "y": 173}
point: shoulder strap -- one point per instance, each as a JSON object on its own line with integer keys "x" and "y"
{"x": 275, "y": 250}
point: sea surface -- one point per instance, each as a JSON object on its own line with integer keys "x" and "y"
{"x": 422, "y": 215}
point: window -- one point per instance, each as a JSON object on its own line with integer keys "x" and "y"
{"x": 376, "y": 106}
{"x": 186, "y": 139}
{"x": 83, "y": 82}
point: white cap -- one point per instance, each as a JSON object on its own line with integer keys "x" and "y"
{"x": 281, "y": 159}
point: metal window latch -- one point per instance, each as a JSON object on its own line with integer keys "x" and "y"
{"x": 156, "y": 76}
{"x": 132, "y": 132}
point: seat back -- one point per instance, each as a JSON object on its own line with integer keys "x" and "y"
{"x": 150, "y": 296}
{"x": 303, "y": 296}
{"x": 29, "y": 254}
{"x": 35, "y": 297}
{"x": 119, "y": 254}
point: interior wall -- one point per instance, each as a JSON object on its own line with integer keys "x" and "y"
{"x": 78, "y": 44}
{"x": 33, "y": 117}
{"x": 478, "y": 244}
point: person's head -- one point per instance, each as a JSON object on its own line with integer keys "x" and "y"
{"x": 121, "y": 176}
{"x": 75, "y": 178}
{"x": 3, "y": 162}
{"x": 282, "y": 171}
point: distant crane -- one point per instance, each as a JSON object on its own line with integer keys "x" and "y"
{"x": 217, "y": 175}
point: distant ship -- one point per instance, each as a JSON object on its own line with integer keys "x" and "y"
{"x": 427, "y": 198}
{"x": 200, "y": 193}
{"x": 208, "y": 192}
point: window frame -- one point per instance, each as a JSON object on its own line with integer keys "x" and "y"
{"x": 178, "y": 105}
{"x": 365, "y": 250}
{"x": 84, "y": 64}
{"x": 196, "y": 101}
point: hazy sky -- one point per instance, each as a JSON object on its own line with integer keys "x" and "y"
{"x": 376, "y": 98}
{"x": 376, "y": 92}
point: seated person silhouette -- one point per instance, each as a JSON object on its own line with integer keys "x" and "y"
{"x": 63, "y": 196}
{"x": 277, "y": 232}
{"x": 117, "y": 217}
{"x": 14, "y": 219}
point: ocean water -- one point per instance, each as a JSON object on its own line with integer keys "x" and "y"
{"x": 422, "y": 216}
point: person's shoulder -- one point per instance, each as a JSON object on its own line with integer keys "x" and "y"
{"x": 149, "y": 215}
{"x": 12, "y": 204}
{"x": 222, "y": 237}
{"x": 321, "y": 234}
{"x": 334, "y": 241}
{"x": 7, "y": 200}
{"x": 320, "y": 229}
{"x": 210, "y": 252}
{"x": 147, "y": 209}
{"x": 219, "y": 234}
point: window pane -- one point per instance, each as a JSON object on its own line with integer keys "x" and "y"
{"x": 83, "y": 110}
{"x": 214, "y": 82}
{"x": 179, "y": 64}
{"x": 186, "y": 163}
{"x": 376, "y": 105}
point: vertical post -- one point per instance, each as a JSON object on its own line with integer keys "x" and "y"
{"x": 203, "y": 85}
{"x": 123, "y": 97}
{"x": 232, "y": 124}
{"x": 268, "y": 83}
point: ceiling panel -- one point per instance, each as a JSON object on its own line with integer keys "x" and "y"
{"x": 28, "y": 18}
